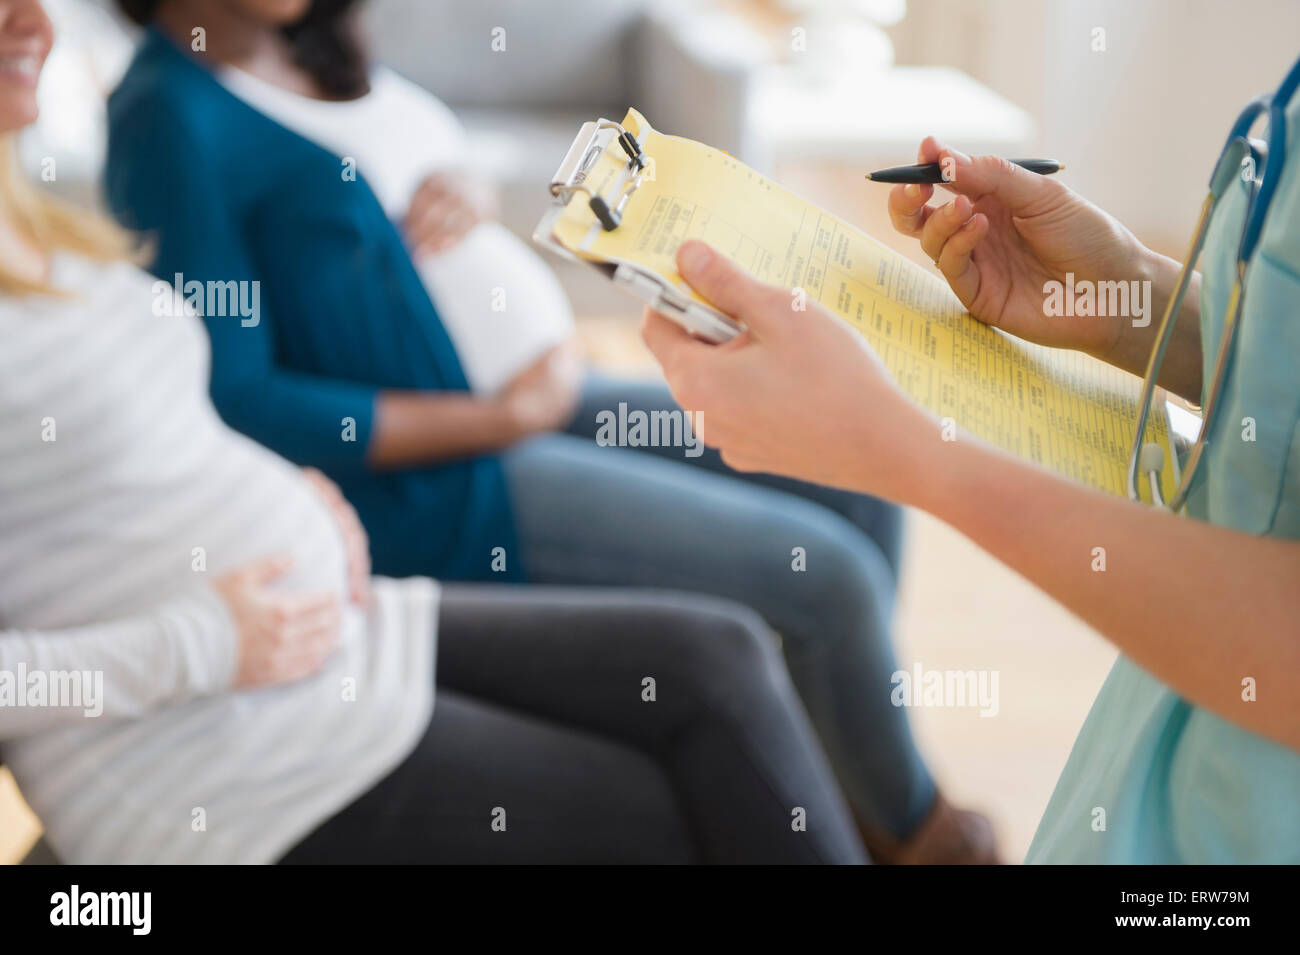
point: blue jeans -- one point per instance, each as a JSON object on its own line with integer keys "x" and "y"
{"x": 653, "y": 517}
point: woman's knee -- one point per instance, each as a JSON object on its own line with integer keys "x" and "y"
{"x": 841, "y": 584}
{"x": 718, "y": 646}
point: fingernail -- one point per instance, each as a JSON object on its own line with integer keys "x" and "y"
{"x": 694, "y": 256}
{"x": 913, "y": 191}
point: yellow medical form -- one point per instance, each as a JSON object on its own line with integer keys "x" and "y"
{"x": 626, "y": 196}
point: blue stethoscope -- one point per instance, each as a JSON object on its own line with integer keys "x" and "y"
{"x": 1241, "y": 157}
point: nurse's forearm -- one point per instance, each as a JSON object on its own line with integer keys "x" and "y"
{"x": 1181, "y": 371}
{"x": 416, "y": 428}
{"x": 1203, "y": 608}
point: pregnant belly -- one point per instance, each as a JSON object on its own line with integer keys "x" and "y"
{"x": 229, "y": 506}
{"x": 294, "y": 520}
{"x": 500, "y": 304}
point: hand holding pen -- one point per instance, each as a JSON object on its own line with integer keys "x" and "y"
{"x": 1005, "y": 234}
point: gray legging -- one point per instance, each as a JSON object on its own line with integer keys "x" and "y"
{"x": 540, "y": 713}
{"x": 818, "y": 564}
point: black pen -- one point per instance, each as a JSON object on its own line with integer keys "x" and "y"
{"x": 932, "y": 172}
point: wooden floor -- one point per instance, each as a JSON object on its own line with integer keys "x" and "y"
{"x": 18, "y": 827}
{"x": 961, "y": 610}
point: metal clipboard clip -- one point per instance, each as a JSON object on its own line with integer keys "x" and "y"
{"x": 593, "y": 141}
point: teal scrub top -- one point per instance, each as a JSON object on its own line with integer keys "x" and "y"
{"x": 1170, "y": 781}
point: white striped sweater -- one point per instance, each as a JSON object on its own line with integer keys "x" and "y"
{"x": 122, "y": 494}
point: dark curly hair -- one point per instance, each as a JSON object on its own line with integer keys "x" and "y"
{"x": 324, "y": 43}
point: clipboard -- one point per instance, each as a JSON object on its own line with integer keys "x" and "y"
{"x": 608, "y": 203}
{"x": 626, "y": 196}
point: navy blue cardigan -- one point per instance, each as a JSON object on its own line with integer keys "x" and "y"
{"x": 227, "y": 194}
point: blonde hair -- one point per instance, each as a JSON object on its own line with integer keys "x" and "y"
{"x": 52, "y": 225}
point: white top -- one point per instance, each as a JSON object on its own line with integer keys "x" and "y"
{"x": 116, "y": 471}
{"x": 500, "y": 304}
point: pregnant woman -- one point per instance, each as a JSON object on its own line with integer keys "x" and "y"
{"x": 255, "y": 695}
{"x": 271, "y": 153}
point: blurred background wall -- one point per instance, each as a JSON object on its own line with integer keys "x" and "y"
{"x": 1141, "y": 123}
{"x": 1134, "y": 95}
{"x": 815, "y": 92}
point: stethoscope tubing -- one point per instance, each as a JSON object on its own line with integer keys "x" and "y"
{"x": 1149, "y": 458}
